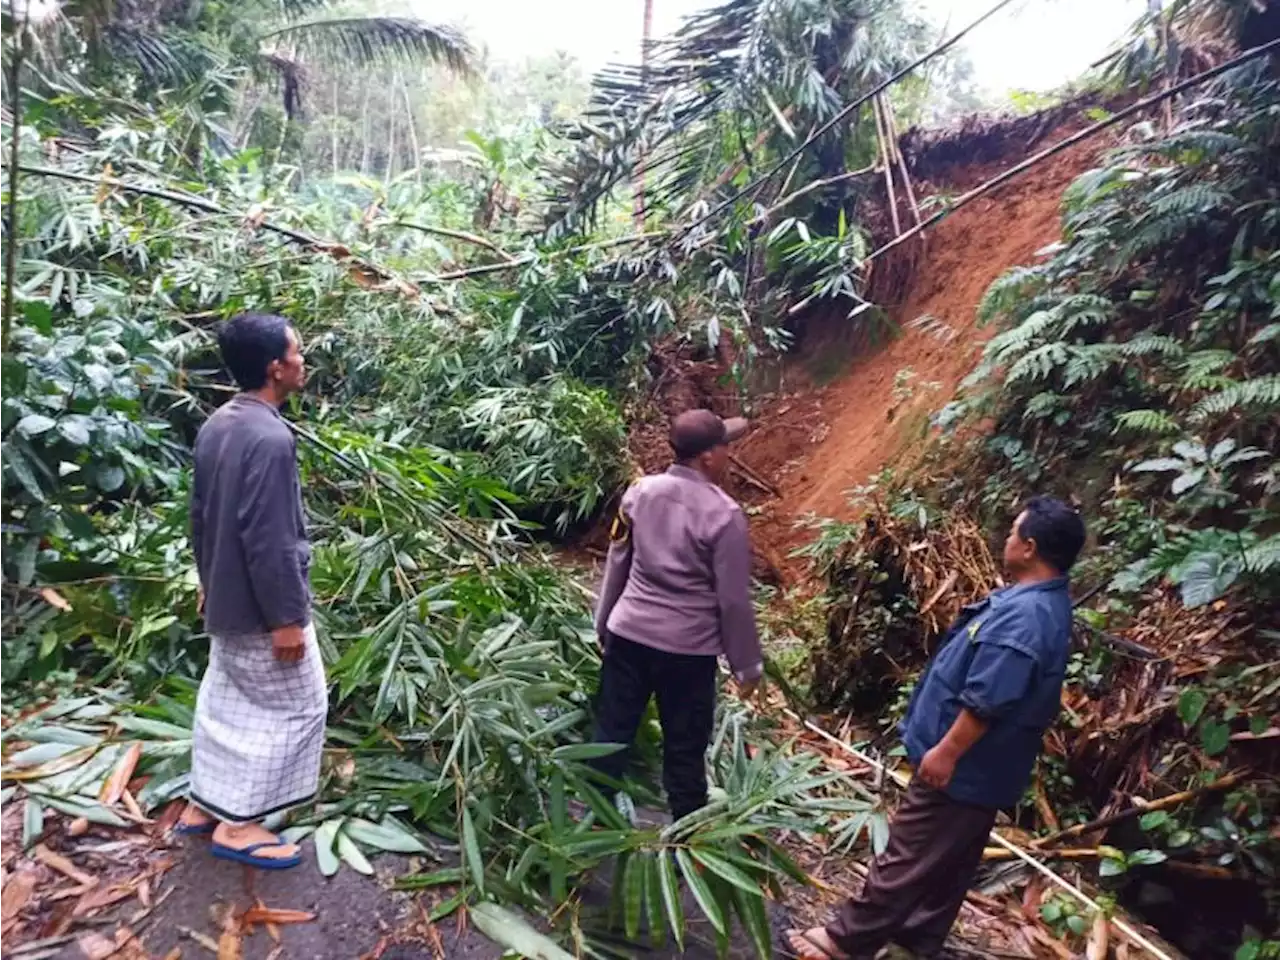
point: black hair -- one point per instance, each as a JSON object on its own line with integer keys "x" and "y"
{"x": 1056, "y": 527}
{"x": 249, "y": 343}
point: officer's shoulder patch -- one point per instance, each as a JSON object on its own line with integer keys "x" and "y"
{"x": 620, "y": 529}
{"x": 973, "y": 629}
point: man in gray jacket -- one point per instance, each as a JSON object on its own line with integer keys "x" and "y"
{"x": 260, "y": 713}
{"x": 677, "y": 595}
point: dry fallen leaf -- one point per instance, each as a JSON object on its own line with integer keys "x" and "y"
{"x": 174, "y": 954}
{"x": 98, "y": 897}
{"x": 17, "y": 891}
{"x": 1096, "y": 948}
{"x": 78, "y": 827}
{"x": 54, "y": 599}
{"x": 113, "y": 789}
{"x": 261, "y": 914}
{"x": 63, "y": 866}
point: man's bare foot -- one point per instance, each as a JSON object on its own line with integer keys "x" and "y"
{"x": 245, "y": 835}
{"x": 195, "y": 821}
{"x": 814, "y": 944}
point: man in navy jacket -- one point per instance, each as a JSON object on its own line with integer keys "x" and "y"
{"x": 972, "y": 732}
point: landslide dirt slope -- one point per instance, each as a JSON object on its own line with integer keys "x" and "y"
{"x": 814, "y": 443}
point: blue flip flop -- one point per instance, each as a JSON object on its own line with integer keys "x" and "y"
{"x": 246, "y": 856}
{"x": 195, "y": 830}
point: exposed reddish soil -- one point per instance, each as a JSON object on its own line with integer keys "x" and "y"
{"x": 812, "y": 442}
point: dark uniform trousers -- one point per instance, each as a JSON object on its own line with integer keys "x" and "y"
{"x": 685, "y": 685}
{"x": 915, "y": 889}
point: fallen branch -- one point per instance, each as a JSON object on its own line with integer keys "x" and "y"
{"x": 456, "y": 235}
{"x": 1164, "y": 803}
{"x": 753, "y": 477}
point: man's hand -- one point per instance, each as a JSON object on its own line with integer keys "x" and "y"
{"x": 199, "y": 600}
{"x": 747, "y": 688}
{"x": 937, "y": 767}
{"x": 289, "y": 644}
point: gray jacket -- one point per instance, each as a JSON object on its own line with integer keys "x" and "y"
{"x": 678, "y": 575}
{"x": 247, "y": 525}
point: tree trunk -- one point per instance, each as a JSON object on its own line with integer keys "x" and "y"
{"x": 413, "y": 130}
{"x": 391, "y": 131}
{"x": 333, "y": 126}
{"x": 366, "y": 128}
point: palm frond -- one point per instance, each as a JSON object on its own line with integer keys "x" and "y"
{"x": 368, "y": 41}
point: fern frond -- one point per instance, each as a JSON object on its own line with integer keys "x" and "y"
{"x": 1043, "y": 405}
{"x": 1267, "y": 334}
{"x": 1090, "y": 361}
{"x": 1201, "y": 370}
{"x": 1083, "y": 310}
{"x": 1259, "y": 395}
{"x": 1010, "y": 289}
{"x": 1003, "y": 347}
{"x": 1155, "y": 422}
{"x": 1147, "y": 344}
{"x": 1263, "y": 556}
{"x": 1157, "y": 234}
{"x": 1191, "y": 146}
{"x": 1039, "y": 363}
{"x": 1196, "y": 198}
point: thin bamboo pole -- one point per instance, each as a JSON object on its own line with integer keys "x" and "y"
{"x": 646, "y": 41}
{"x": 1089, "y": 131}
{"x": 886, "y": 156}
{"x": 11, "y": 215}
{"x": 892, "y": 124}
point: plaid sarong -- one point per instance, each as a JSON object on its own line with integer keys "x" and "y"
{"x": 259, "y": 729}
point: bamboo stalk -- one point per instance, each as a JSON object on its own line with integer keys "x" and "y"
{"x": 892, "y": 124}
{"x": 391, "y": 131}
{"x": 809, "y": 188}
{"x": 1093, "y": 129}
{"x": 11, "y": 226}
{"x": 886, "y": 154}
{"x": 1164, "y": 803}
{"x": 638, "y": 210}
{"x": 457, "y": 235}
{"x": 413, "y": 129}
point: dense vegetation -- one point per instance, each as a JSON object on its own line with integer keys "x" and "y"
{"x": 1136, "y": 372}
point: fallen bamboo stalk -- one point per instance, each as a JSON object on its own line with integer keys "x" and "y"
{"x": 455, "y": 235}
{"x": 886, "y": 156}
{"x": 809, "y": 188}
{"x": 1122, "y": 926}
{"x": 1163, "y": 803}
{"x": 1082, "y": 135}
{"x": 892, "y": 124}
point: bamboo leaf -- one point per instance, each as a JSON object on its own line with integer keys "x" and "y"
{"x": 326, "y": 858}
{"x": 701, "y": 890}
{"x": 653, "y": 897}
{"x": 349, "y": 852}
{"x": 723, "y": 868}
{"x": 508, "y": 929}
{"x": 751, "y": 909}
{"x": 471, "y": 847}
{"x": 32, "y": 822}
{"x": 671, "y": 897}
{"x": 633, "y": 894}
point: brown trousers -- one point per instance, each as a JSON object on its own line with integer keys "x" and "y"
{"x": 915, "y": 889}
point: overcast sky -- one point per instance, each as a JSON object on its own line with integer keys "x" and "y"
{"x": 1032, "y": 45}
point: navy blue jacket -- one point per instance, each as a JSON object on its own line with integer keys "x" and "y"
{"x": 1004, "y": 659}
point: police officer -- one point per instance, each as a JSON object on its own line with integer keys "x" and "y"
{"x": 677, "y": 595}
